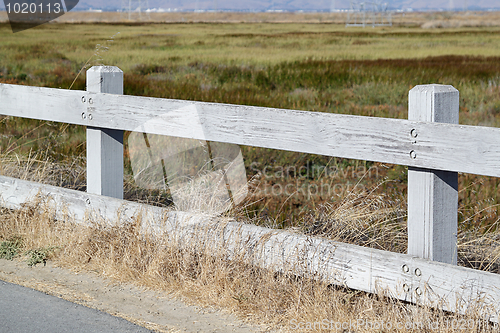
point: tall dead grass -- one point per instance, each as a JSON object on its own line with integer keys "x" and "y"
{"x": 39, "y": 167}
{"x": 193, "y": 272}
{"x": 189, "y": 268}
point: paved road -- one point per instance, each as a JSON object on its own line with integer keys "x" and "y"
{"x": 24, "y": 310}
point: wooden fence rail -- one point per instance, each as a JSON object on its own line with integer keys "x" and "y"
{"x": 430, "y": 143}
{"x": 440, "y": 146}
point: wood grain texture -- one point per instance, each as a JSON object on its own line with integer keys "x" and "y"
{"x": 401, "y": 276}
{"x": 469, "y": 149}
{"x": 104, "y": 145}
{"x": 59, "y": 105}
{"x": 433, "y": 194}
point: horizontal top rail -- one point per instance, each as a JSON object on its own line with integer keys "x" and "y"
{"x": 459, "y": 148}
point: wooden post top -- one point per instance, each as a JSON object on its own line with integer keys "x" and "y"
{"x": 105, "y": 79}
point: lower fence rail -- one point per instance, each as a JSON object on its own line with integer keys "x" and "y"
{"x": 405, "y": 277}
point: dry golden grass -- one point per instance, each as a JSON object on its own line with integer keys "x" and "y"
{"x": 38, "y": 167}
{"x": 190, "y": 269}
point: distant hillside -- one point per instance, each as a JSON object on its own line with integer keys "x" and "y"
{"x": 289, "y": 5}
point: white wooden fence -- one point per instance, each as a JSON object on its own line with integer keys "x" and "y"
{"x": 430, "y": 143}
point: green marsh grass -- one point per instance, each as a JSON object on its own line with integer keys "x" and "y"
{"x": 314, "y": 67}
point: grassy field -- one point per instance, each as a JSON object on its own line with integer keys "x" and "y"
{"x": 317, "y": 66}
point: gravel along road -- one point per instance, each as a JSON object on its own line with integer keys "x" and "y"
{"x": 87, "y": 302}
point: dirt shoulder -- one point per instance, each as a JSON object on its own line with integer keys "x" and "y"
{"x": 153, "y": 310}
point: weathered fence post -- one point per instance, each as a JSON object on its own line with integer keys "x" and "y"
{"x": 105, "y": 146}
{"x": 433, "y": 194}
